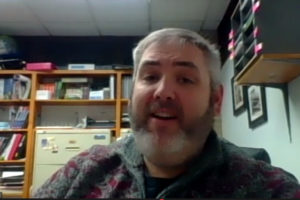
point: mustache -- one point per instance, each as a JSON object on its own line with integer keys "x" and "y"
{"x": 139, "y": 121}
{"x": 165, "y": 104}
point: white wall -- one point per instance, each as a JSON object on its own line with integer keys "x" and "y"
{"x": 272, "y": 135}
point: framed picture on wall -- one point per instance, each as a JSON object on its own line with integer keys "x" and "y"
{"x": 257, "y": 108}
{"x": 239, "y": 97}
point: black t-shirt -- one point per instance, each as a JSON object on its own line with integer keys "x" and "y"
{"x": 155, "y": 185}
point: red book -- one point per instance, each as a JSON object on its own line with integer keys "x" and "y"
{"x": 15, "y": 146}
{"x": 48, "y": 86}
{"x": 40, "y": 66}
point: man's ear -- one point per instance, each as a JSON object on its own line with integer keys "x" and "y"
{"x": 218, "y": 99}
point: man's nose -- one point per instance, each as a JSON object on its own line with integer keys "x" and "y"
{"x": 164, "y": 90}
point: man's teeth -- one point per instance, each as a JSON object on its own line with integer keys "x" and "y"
{"x": 163, "y": 115}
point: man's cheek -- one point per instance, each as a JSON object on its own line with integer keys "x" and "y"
{"x": 190, "y": 112}
{"x": 139, "y": 108}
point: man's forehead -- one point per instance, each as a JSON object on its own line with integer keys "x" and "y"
{"x": 171, "y": 44}
{"x": 173, "y": 52}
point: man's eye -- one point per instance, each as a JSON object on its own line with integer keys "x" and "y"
{"x": 150, "y": 78}
{"x": 184, "y": 80}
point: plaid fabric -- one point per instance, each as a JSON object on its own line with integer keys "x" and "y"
{"x": 222, "y": 170}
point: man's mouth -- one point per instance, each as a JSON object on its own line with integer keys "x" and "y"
{"x": 164, "y": 116}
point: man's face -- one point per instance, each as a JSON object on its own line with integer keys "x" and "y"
{"x": 171, "y": 107}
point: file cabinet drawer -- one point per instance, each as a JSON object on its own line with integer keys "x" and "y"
{"x": 58, "y": 148}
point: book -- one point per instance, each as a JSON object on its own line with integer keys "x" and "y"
{"x": 75, "y": 80}
{"x": 11, "y": 176}
{"x": 81, "y": 66}
{"x": 4, "y": 125}
{"x": 5, "y": 153}
{"x": 4, "y": 141}
{"x": 126, "y": 86}
{"x": 75, "y": 87}
{"x": 43, "y": 94}
{"x": 59, "y": 90}
{"x": 100, "y": 123}
{"x": 43, "y": 66}
{"x": 13, "y": 179}
{"x": 8, "y": 88}
{"x": 106, "y": 93}
{"x": 11, "y": 182}
{"x": 2, "y": 88}
{"x": 112, "y": 86}
{"x": 85, "y": 92}
{"x": 73, "y": 93}
{"x": 125, "y": 120}
{"x": 21, "y": 87}
{"x": 50, "y": 87}
{"x": 11, "y": 168}
{"x": 122, "y": 67}
{"x": 11, "y": 63}
{"x": 19, "y": 118}
{"x": 96, "y": 95}
{"x": 21, "y": 151}
{"x": 15, "y": 145}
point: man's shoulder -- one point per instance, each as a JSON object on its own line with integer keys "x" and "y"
{"x": 251, "y": 168}
{"x": 99, "y": 156}
{"x": 231, "y": 150}
{"x": 82, "y": 169}
{"x": 250, "y": 160}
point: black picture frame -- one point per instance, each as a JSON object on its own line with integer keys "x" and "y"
{"x": 257, "y": 106}
{"x": 239, "y": 97}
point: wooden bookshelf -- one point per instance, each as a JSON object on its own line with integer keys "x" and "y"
{"x": 12, "y": 194}
{"x": 271, "y": 68}
{"x": 24, "y": 131}
{"x": 12, "y": 162}
{"x": 264, "y": 45}
{"x": 12, "y": 72}
{"x": 49, "y": 128}
{"x": 125, "y": 101}
{"x": 75, "y": 102}
{"x": 79, "y": 72}
{"x": 35, "y": 107}
{"x": 14, "y": 102}
{"x": 13, "y": 131}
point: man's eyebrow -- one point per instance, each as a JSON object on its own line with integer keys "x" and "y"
{"x": 187, "y": 64}
{"x": 150, "y": 63}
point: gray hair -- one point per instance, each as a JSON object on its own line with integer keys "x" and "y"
{"x": 183, "y": 36}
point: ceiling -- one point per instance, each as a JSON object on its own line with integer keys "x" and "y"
{"x": 107, "y": 17}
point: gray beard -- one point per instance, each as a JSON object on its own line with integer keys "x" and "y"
{"x": 181, "y": 148}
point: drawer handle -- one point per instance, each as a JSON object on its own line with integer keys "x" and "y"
{"x": 72, "y": 148}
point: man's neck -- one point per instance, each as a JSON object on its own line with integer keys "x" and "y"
{"x": 163, "y": 172}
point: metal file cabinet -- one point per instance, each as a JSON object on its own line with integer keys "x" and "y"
{"x": 53, "y": 148}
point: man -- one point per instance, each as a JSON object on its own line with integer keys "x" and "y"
{"x": 173, "y": 151}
